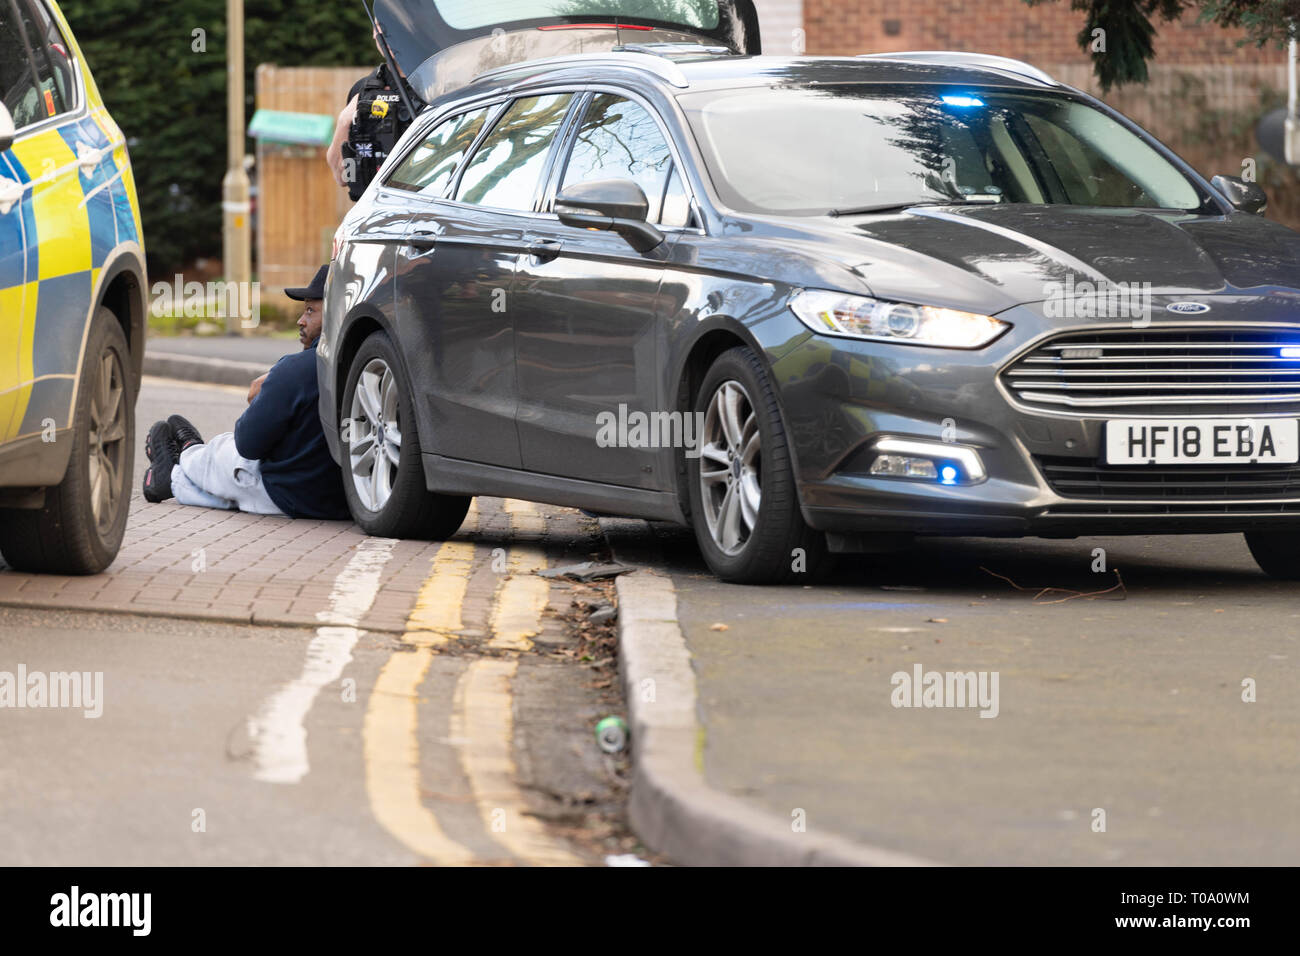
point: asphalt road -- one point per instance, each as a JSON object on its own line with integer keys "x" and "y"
{"x": 1128, "y": 702}
{"x": 429, "y": 747}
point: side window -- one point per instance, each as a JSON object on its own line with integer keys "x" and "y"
{"x": 1088, "y": 179}
{"x": 35, "y": 68}
{"x": 619, "y": 139}
{"x": 507, "y": 167}
{"x": 430, "y": 167}
{"x": 19, "y": 85}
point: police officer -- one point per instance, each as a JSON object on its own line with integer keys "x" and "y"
{"x": 369, "y": 127}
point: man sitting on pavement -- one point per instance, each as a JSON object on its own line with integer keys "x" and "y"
{"x": 276, "y": 461}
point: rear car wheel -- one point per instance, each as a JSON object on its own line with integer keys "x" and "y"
{"x": 383, "y": 476}
{"x": 1276, "y": 552}
{"x": 744, "y": 504}
{"x": 80, "y": 528}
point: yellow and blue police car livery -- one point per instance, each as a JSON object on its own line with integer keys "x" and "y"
{"x": 72, "y": 310}
{"x": 76, "y": 212}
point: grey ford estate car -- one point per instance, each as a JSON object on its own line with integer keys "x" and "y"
{"x": 811, "y": 305}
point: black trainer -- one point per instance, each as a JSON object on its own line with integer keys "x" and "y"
{"x": 184, "y": 433}
{"x": 160, "y": 446}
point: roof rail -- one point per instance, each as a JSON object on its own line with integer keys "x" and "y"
{"x": 673, "y": 50}
{"x": 657, "y": 64}
{"x": 978, "y": 61}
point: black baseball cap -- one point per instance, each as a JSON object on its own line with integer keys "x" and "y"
{"x": 314, "y": 291}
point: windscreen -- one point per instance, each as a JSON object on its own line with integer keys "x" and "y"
{"x": 810, "y": 150}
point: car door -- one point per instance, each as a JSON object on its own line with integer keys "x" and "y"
{"x": 455, "y": 270}
{"x": 587, "y": 337}
{"x": 45, "y": 239}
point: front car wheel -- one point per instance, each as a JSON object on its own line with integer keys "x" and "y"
{"x": 744, "y": 501}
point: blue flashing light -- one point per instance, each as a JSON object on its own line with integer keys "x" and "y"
{"x": 963, "y": 101}
{"x": 948, "y": 475}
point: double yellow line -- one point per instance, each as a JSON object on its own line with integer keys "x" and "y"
{"x": 481, "y": 724}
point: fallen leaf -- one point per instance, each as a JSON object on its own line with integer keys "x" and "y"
{"x": 719, "y": 627}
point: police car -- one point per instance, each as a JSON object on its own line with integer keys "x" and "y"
{"x": 72, "y": 303}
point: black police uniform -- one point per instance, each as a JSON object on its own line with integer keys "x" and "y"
{"x": 380, "y": 121}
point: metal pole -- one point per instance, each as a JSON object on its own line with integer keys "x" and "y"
{"x": 236, "y": 245}
{"x": 1292, "y": 115}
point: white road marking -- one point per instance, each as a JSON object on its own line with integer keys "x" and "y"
{"x": 279, "y": 732}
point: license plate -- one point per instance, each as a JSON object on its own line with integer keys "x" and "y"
{"x": 1202, "y": 441}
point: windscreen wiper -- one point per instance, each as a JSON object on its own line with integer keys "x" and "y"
{"x": 898, "y": 206}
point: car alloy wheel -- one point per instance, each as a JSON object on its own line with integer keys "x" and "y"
{"x": 374, "y": 435}
{"x": 107, "y": 447}
{"x": 731, "y": 468}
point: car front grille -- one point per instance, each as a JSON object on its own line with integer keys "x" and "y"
{"x": 1087, "y": 478}
{"x": 1220, "y": 371}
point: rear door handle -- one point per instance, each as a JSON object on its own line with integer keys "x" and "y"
{"x": 545, "y": 250}
{"x": 424, "y": 239}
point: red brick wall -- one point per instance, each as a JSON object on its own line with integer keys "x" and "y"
{"x": 1045, "y": 34}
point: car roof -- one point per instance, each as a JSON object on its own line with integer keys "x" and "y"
{"x": 684, "y": 71}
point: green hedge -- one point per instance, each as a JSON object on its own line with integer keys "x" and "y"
{"x": 171, "y": 100}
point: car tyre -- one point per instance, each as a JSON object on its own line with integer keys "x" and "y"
{"x": 1276, "y": 552}
{"x": 743, "y": 497}
{"x": 80, "y": 528}
{"x": 383, "y": 474}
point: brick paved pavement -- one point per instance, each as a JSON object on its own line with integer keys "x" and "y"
{"x": 182, "y": 562}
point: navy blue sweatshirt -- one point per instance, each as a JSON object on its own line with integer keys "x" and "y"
{"x": 282, "y": 430}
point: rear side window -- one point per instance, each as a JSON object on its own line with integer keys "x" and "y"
{"x": 429, "y": 168}
{"x": 619, "y": 139}
{"x": 36, "y": 79}
{"x": 507, "y": 167}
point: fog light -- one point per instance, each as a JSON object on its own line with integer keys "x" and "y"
{"x": 945, "y": 462}
{"x": 898, "y": 466}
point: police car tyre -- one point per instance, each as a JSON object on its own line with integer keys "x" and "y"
{"x": 80, "y": 528}
{"x": 407, "y": 509}
{"x": 743, "y": 450}
{"x": 1276, "y": 552}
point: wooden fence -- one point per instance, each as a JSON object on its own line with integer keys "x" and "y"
{"x": 298, "y": 203}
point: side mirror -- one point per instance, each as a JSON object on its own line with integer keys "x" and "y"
{"x": 6, "y": 128}
{"x": 614, "y": 205}
{"x": 1244, "y": 196}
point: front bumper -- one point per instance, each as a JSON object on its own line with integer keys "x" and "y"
{"x": 840, "y": 397}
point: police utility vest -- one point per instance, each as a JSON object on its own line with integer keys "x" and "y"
{"x": 380, "y": 121}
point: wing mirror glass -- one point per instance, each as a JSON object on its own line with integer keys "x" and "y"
{"x": 1244, "y": 196}
{"x": 613, "y": 205}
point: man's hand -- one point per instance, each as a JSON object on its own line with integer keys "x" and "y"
{"x": 256, "y": 387}
{"x": 334, "y": 155}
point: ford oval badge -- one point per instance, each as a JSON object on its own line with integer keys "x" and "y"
{"x": 1188, "y": 308}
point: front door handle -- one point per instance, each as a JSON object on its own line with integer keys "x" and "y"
{"x": 544, "y": 250}
{"x": 423, "y": 240}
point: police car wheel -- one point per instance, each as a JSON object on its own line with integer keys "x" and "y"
{"x": 80, "y": 528}
{"x": 383, "y": 475}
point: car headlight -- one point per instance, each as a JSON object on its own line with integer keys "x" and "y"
{"x": 860, "y": 317}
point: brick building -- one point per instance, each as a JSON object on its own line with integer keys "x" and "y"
{"x": 1044, "y": 35}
